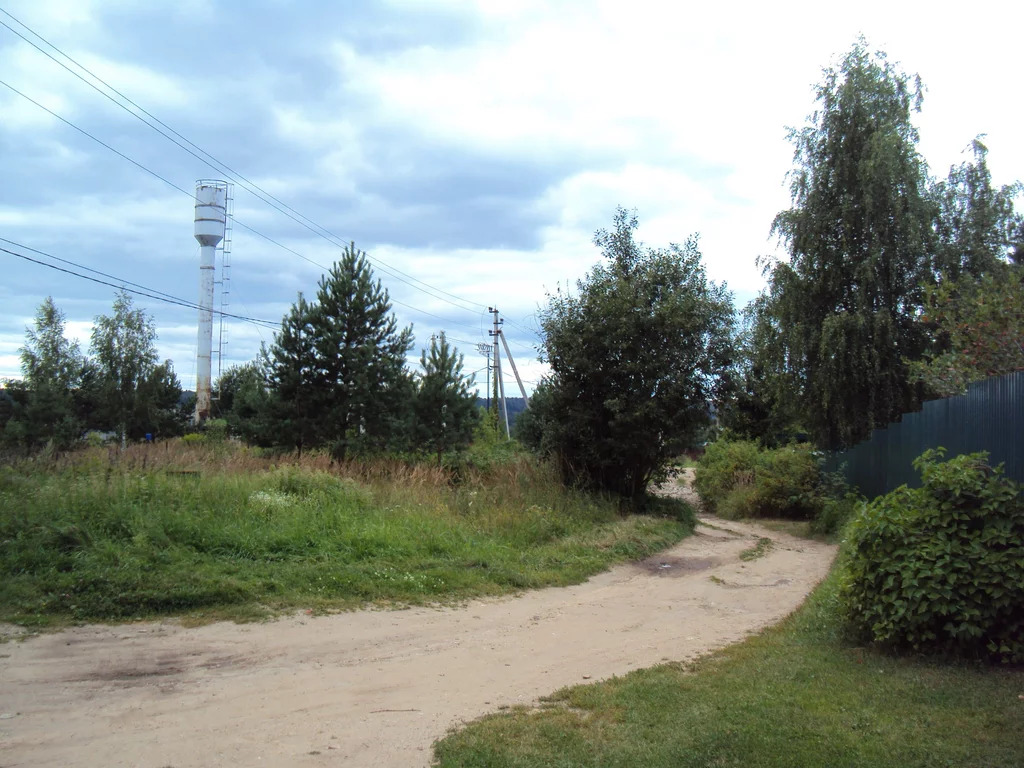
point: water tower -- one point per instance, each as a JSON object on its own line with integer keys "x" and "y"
{"x": 211, "y": 216}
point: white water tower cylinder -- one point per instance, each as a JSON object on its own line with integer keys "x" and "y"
{"x": 211, "y": 215}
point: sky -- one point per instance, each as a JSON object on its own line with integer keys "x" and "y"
{"x": 470, "y": 147}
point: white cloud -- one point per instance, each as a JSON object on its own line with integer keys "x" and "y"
{"x": 676, "y": 110}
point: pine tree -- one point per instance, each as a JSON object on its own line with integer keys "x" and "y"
{"x": 445, "y": 409}
{"x": 336, "y": 370}
{"x": 360, "y": 359}
{"x": 290, "y": 365}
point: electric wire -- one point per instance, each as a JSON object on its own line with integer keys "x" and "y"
{"x": 191, "y": 195}
{"x": 88, "y": 269}
{"x": 223, "y": 168}
{"x": 148, "y": 292}
{"x": 94, "y": 138}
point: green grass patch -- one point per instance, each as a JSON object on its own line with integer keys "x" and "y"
{"x": 224, "y": 536}
{"x": 762, "y": 548}
{"x": 794, "y": 696}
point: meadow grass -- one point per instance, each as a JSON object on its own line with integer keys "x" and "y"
{"x": 223, "y": 531}
{"x": 795, "y": 696}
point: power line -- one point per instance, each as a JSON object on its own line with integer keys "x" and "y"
{"x": 192, "y": 196}
{"x": 139, "y": 290}
{"x": 98, "y": 141}
{"x": 221, "y": 167}
{"x": 88, "y": 269}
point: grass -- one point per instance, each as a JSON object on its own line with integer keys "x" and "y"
{"x": 224, "y": 532}
{"x": 762, "y": 548}
{"x": 793, "y": 696}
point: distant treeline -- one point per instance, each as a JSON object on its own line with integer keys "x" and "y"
{"x": 514, "y": 405}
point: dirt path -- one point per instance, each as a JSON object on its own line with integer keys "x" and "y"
{"x": 376, "y": 688}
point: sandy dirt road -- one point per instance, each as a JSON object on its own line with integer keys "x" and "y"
{"x": 376, "y": 688}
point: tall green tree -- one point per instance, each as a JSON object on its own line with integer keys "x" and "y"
{"x": 980, "y": 324}
{"x": 336, "y": 371}
{"x": 43, "y": 408}
{"x": 361, "y": 359}
{"x": 445, "y": 408}
{"x": 291, "y": 370}
{"x": 48, "y": 356}
{"x": 977, "y": 228}
{"x": 638, "y": 355}
{"x": 124, "y": 349}
{"x": 859, "y": 239}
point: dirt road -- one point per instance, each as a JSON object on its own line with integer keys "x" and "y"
{"x": 376, "y": 688}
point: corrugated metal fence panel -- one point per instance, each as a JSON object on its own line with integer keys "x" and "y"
{"x": 989, "y": 417}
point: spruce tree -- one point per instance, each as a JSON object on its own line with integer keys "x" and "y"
{"x": 290, "y": 366}
{"x": 445, "y": 409}
{"x": 360, "y": 353}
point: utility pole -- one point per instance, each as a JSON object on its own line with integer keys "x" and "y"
{"x": 485, "y": 350}
{"x": 497, "y": 368}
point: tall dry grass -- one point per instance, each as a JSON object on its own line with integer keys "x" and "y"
{"x": 224, "y": 529}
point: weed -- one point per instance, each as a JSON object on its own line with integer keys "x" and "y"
{"x": 211, "y": 531}
{"x": 762, "y": 548}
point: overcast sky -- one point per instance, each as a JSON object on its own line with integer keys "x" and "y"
{"x": 473, "y": 146}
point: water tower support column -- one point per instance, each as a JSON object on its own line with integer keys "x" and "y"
{"x": 211, "y": 213}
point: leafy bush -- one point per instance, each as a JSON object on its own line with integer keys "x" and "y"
{"x": 216, "y": 430}
{"x": 941, "y": 567}
{"x": 735, "y": 478}
{"x": 837, "y": 510}
{"x": 725, "y": 465}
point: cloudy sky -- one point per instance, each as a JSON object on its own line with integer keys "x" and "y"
{"x": 470, "y": 147}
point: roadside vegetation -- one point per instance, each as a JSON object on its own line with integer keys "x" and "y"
{"x": 362, "y": 481}
{"x": 795, "y": 696}
{"x": 223, "y": 531}
{"x": 896, "y": 288}
{"x": 738, "y": 479}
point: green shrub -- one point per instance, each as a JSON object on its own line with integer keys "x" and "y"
{"x": 788, "y": 483}
{"x": 736, "y": 478}
{"x": 194, "y": 438}
{"x": 725, "y": 465}
{"x": 941, "y": 567}
{"x": 216, "y": 430}
{"x": 836, "y": 512}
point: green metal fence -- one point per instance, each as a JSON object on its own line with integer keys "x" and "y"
{"x": 989, "y": 417}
